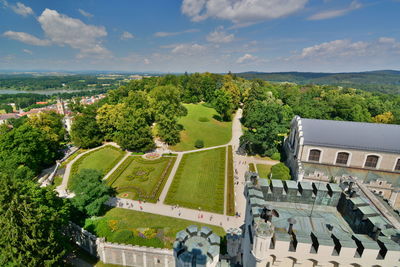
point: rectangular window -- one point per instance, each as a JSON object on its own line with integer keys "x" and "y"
{"x": 371, "y": 162}
{"x": 314, "y": 155}
{"x": 342, "y": 158}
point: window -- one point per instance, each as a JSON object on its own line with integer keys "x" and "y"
{"x": 342, "y": 158}
{"x": 397, "y": 167}
{"x": 314, "y": 155}
{"x": 371, "y": 161}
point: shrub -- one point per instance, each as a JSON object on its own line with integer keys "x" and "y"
{"x": 276, "y": 156}
{"x": 280, "y": 171}
{"x": 124, "y": 236}
{"x": 204, "y": 119}
{"x": 251, "y": 167}
{"x": 199, "y": 143}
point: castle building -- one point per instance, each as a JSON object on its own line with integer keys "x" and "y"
{"x": 327, "y": 150}
{"x": 289, "y": 223}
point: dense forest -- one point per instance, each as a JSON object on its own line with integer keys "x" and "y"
{"x": 55, "y": 82}
{"x": 375, "y": 81}
{"x": 132, "y": 115}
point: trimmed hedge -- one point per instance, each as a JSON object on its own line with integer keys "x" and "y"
{"x": 252, "y": 168}
{"x": 230, "y": 199}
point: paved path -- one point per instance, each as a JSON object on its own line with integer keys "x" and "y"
{"x": 62, "y": 188}
{"x": 178, "y": 212}
{"x": 163, "y": 194}
{"x": 117, "y": 165}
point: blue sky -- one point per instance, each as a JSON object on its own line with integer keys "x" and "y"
{"x": 200, "y": 35}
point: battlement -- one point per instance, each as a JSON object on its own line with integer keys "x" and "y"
{"x": 312, "y": 219}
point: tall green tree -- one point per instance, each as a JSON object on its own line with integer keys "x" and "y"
{"x": 27, "y": 146}
{"x": 223, "y": 104}
{"x": 85, "y": 131}
{"x": 90, "y": 192}
{"x": 31, "y": 221}
{"x": 167, "y": 106}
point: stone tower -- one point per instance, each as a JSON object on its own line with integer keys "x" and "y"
{"x": 196, "y": 247}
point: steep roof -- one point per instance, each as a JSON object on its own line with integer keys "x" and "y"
{"x": 352, "y": 135}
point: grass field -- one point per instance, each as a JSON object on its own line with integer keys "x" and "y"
{"x": 200, "y": 181}
{"x": 264, "y": 170}
{"x": 140, "y": 228}
{"x": 230, "y": 198}
{"x": 137, "y": 178}
{"x": 102, "y": 159}
{"x": 199, "y": 124}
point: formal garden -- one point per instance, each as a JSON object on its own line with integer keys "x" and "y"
{"x": 102, "y": 159}
{"x": 140, "y": 228}
{"x": 138, "y": 178}
{"x": 199, "y": 181}
{"x": 201, "y": 124}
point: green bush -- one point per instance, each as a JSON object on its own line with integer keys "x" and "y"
{"x": 280, "y": 171}
{"x": 199, "y": 144}
{"x": 124, "y": 236}
{"x": 276, "y": 156}
{"x": 251, "y": 167}
{"x": 204, "y": 119}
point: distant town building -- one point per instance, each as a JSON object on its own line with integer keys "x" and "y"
{"x": 5, "y": 117}
{"x": 328, "y": 150}
{"x": 291, "y": 223}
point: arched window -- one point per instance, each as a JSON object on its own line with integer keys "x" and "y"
{"x": 342, "y": 158}
{"x": 372, "y": 161}
{"x": 314, "y": 155}
{"x": 397, "y": 167}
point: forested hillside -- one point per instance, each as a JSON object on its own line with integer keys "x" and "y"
{"x": 386, "y": 81}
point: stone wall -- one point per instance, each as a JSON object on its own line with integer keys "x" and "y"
{"x": 120, "y": 254}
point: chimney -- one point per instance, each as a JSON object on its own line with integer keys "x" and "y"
{"x": 377, "y": 231}
{"x": 291, "y": 222}
{"x": 266, "y": 213}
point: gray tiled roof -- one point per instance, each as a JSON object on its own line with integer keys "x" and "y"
{"x": 352, "y": 135}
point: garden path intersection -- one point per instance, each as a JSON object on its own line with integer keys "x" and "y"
{"x": 240, "y": 167}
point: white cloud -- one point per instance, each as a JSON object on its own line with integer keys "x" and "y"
{"x": 85, "y": 13}
{"x": 126, "y": 35}
{"x": 62, "y": 30}
{"x": 27, "y": 51}
{"x": 336, "y": 13}
{"x": 220, "y": 36}
{"x": 246, "y": 58}
{"x": 167, "y": 34}
{"x": 19, "y": 8}
{"x": 345, "y": 50}
{"x": 146, "y": 61}
{"x": 188, "y": 49}
{"x": 26, "y": 38}
{"x": 240, "y": 11}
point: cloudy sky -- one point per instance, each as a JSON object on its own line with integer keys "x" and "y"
{"x": 200, "y": 35}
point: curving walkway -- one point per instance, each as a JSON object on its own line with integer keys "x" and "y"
{"x": 62, "y": 188}
{"x": 240, "y": 167}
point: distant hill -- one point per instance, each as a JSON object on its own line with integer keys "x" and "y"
{"x": 385, "y": 81}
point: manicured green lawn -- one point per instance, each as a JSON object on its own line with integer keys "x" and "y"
{"x": 137, "y": 178}
{"x": 264, "y": 170}
{"x": 130, "y": 227}
{"x": 211, "y": 131}
{"x": 200, "y": 181}
{"x": 103, "y": 159}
